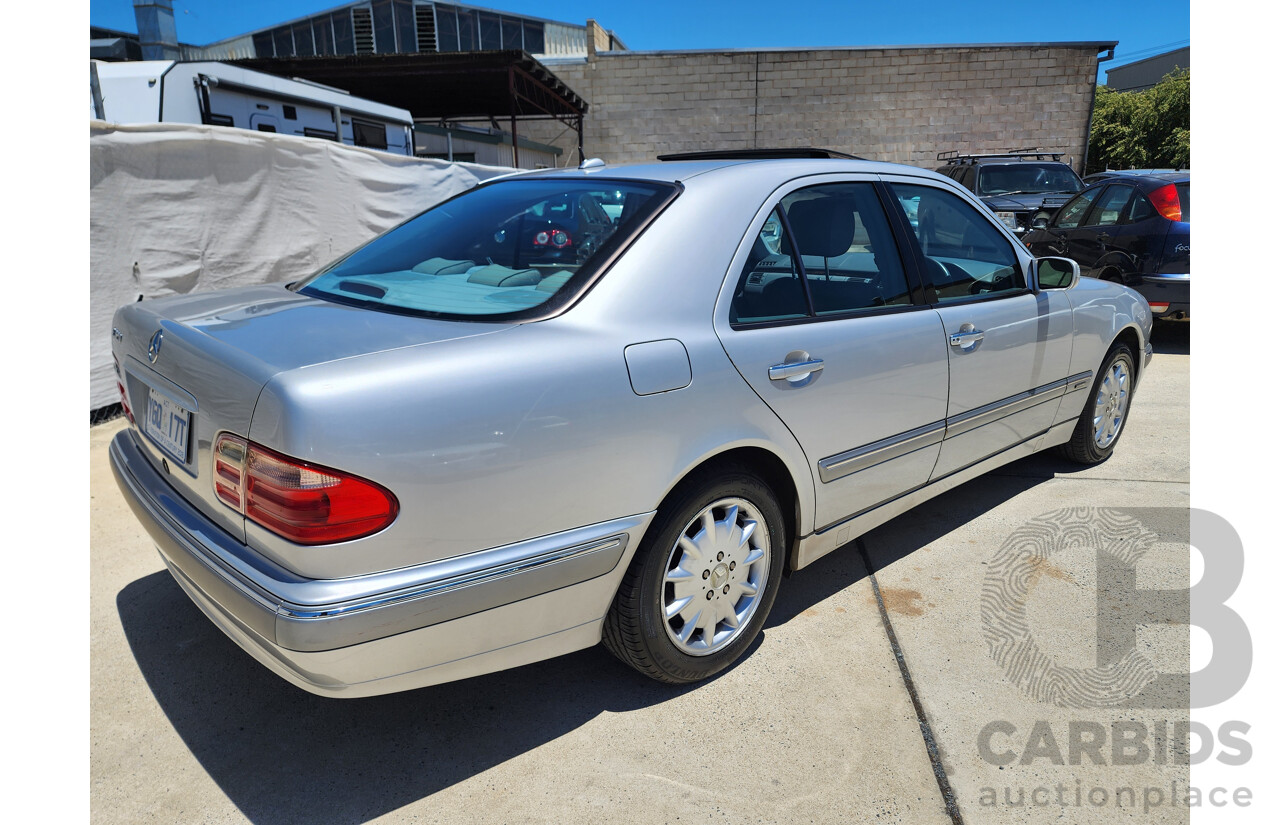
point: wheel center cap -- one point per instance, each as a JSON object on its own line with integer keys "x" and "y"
{"x": 719, "y": 575}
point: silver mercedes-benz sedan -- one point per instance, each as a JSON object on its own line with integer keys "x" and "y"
{"x": 598, "y": 404}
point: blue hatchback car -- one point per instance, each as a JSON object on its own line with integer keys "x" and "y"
{"x": 1134, "y": 229}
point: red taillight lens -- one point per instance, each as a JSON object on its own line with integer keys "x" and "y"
{"x": 303, "y": 502}
{"x": 556, "y": 237}
{"x": 1167, "y": 203}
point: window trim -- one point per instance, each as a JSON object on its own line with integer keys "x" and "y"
{"x": 774, "y": 203}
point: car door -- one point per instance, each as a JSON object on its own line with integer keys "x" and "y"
{"x": 1133, "y": 241}
{"x": 1055, "y": 239}
{"x": 1090, "y": 243}
{"x": 838, "y": 342}
{"x": 1008, "y": 348}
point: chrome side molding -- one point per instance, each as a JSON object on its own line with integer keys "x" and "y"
{"x": 861, "y": 458}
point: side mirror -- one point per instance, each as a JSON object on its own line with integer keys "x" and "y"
{"x": 1040, "y": 223}
{"x": 1055, "y": 273}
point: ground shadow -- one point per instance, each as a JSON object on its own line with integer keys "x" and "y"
{"x": 895, "y": 540}
{"x": 283, "y": 755}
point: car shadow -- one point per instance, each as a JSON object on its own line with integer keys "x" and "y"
{"x": 1171, "y": 338}
{"x": 283, "y": 755}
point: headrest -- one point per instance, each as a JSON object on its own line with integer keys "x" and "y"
{"x": 822, "y": 227}
{"x": 498, "y": 275}
{"x": 442, "y": 266}
{"x": 554, "y": 281}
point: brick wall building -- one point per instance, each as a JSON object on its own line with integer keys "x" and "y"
{"x": 902, "y": 104}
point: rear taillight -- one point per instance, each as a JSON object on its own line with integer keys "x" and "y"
{"x": 1167, "y": 203}
{"x": 303, "y": 502}
{"x": 553, "y": 237}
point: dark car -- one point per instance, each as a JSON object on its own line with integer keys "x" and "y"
{"x": 1018, "y": 186}
{"x": 1131, "y": 229}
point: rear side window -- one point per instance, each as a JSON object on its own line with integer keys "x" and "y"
{"x": 1140, "y": 208}
{"x": 966, "y": 256}
{"x": 496, "y": 250}
{"x": 839, "y": 257}
{"x": 1111, "y": 206}
{"x": 1074, "y": 211}
{"x": 770, "y": 288}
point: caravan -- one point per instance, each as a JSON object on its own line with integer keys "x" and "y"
{"x": 219, "y": 94}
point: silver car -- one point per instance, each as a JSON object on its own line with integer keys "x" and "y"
{"x": 598, "y": 404}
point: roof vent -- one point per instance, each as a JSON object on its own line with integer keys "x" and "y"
{"x": 591, "y": 163}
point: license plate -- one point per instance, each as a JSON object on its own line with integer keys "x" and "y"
{"x": 168, "y": 424}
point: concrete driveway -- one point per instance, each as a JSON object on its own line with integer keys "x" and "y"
{"x": 933, "y": 671}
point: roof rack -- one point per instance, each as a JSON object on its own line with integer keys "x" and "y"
{"x": 955, "y": 158}
{"x": 759, "y": 154}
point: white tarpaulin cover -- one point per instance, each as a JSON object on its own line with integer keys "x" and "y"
{"x": 175, "y": 208}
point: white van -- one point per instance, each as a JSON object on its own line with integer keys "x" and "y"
{"x": 219, "y": 94}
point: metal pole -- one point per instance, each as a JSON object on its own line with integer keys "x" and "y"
{"x": 581, "y": 154}
{"x": 515, "y": 140}
{"x": 95, "y": 89}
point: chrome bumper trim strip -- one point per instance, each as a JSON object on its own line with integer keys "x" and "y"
{"x": 861, "y": 458}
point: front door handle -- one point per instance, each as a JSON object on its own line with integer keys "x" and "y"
{"x": 967, "y": 337}
{"x": 795, "y": 369}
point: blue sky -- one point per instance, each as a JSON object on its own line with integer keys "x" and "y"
{"x": 1142, "y": 27}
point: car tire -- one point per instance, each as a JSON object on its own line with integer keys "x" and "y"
{"x": 692, "y": 600}
{"x": 1106, "y": 412}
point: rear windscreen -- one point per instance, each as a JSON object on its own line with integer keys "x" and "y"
{"x": 498, "y": 250}
{"x": 1184, "y": 199}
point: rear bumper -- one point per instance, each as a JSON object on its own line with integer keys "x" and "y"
{"x": 1173, "y": 290}
{"x": 387, "y": 631}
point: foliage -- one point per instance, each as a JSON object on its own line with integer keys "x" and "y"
{"x": 1150, "y": 129}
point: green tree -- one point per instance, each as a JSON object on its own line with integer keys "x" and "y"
{"x": 1143, "y": 130}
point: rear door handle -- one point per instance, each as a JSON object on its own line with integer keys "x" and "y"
{"x": 966, "y": 337}
{"x": 797, "y": 369}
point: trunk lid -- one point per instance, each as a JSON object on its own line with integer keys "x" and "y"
{"x": 194, "y": 365}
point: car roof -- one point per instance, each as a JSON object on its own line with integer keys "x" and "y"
{"x": 1161, "y": 175}
{"x": 1144, "y": 182}
{"x": 781, "y": 169}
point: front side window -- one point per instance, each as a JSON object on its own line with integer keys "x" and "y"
{"x": 1026, "y": 178}
{"x": 966, "y": 256}
{"x": 838, "y": 258}
{"x": 496, "y": 250}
